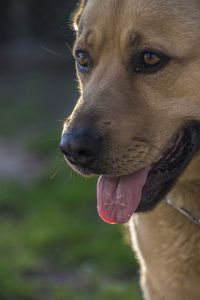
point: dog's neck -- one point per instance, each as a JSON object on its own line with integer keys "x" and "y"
{"x": 185, "y": 195}
{"x": 192, "y": 172}
{"x": 184, "y": 211}
{"x": 165, "y": 240}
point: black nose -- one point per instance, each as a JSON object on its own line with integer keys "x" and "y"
{"x": 81, "y": 146}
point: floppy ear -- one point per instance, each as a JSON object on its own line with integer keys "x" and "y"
{"x": 78, "y": 12}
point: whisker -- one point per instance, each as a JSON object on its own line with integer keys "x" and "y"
{"x": 157, "y": 148}
{"x": 56, "y": 172}
{"x": 71, "y": 174}
{"x": 69, "y": 48}
{"x": 54, "y": 175}
{"x": 53, "y": 52}
{"x": 49, "y": 140}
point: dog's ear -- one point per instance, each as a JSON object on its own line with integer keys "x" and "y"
{"x": 77, "y": 14}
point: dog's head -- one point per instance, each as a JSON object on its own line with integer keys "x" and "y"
{"x": 137, "y": 119}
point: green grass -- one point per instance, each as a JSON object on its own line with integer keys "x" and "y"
{"x": 53, "y": 245}
{"x": 53, "y": 226}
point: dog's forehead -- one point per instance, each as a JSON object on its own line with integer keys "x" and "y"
{"x": 169, "y": 20}
{"x": 146, "y": 7}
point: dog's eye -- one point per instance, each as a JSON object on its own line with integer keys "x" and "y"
{"x": 150, "y": 62}
{"x": 151, "y": 59}
{"x": 83, "y": 60}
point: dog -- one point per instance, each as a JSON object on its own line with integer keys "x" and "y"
{"x": 137, "y": 125}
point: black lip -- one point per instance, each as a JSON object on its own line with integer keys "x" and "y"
{"x": 166, "y": 171}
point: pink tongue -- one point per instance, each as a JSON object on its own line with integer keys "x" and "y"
{"x": 119, "y": 197}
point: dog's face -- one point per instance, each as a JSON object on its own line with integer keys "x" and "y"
{"x": 136, "y": 121}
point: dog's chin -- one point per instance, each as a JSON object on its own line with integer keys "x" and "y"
{"x": 83, "y": 171}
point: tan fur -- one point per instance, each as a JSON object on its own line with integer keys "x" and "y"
{"x": 168, "y": 245}
{"x": 139, "y": 115}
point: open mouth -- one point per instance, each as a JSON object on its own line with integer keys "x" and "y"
{"x": 119, "y": 197}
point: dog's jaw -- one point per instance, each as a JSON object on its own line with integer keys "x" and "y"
{"x": 120, "y": 197}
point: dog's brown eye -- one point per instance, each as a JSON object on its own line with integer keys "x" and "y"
{"x": 151, "y": 59}
{"x": 83, "y": 59}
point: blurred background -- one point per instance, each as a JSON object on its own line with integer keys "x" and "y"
{"x": 52, "y": 243}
